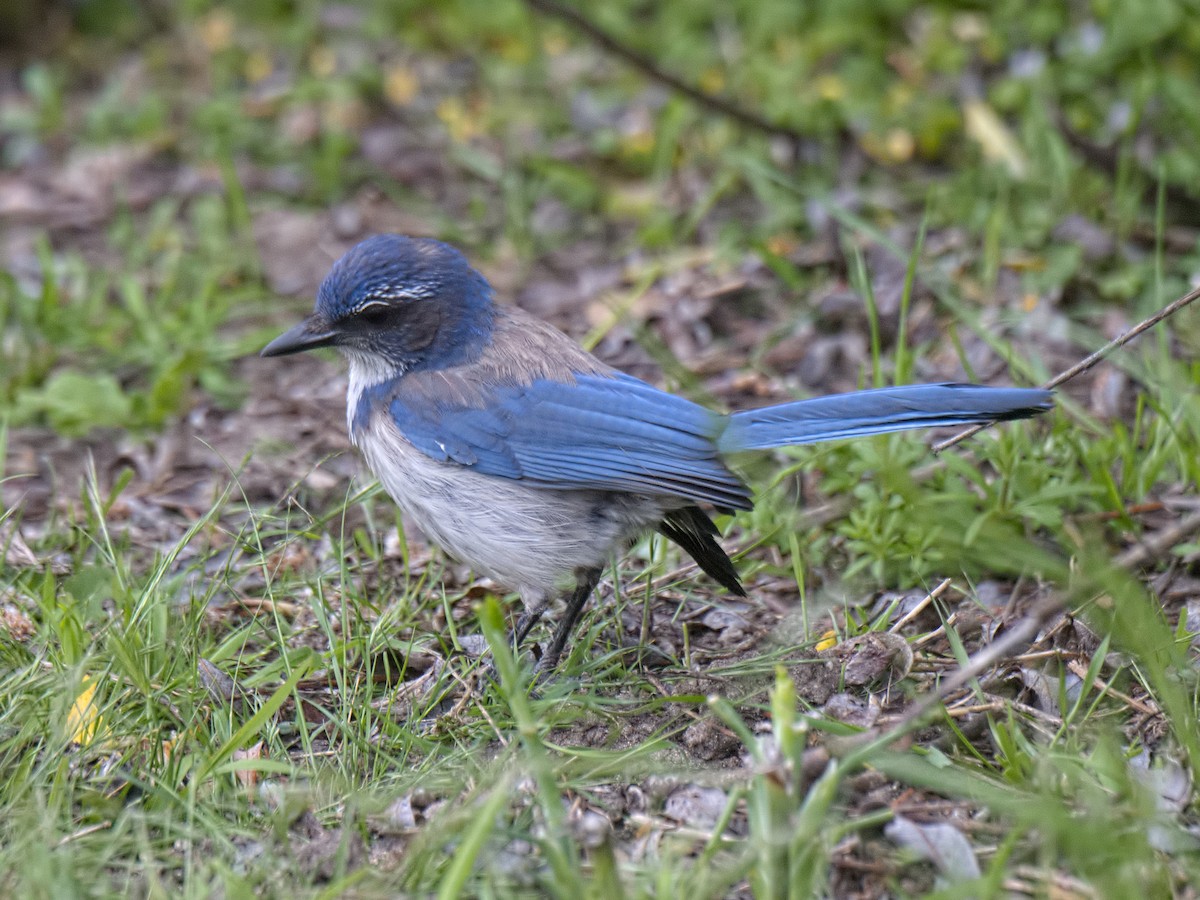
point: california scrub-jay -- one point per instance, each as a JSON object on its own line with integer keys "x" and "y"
{"x": 531, "y": 461}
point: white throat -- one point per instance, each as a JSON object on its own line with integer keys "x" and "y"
{"x": 366, "y": 371}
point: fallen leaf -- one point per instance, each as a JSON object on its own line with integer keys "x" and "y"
{"x": 83, "y": 719}
{"x": 248, "y": 778}
{"x": 699, "y": 807}
{"x": 941, "y": 843}
{"x": 869, "y": 656}
{"x": 994, "y": 138}
{"x": 18, "y": 625}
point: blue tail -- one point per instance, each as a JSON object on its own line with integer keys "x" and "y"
{"x": 877, "y": 412}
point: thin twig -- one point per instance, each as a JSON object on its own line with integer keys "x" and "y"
{"x": 1160, "y": 543}
{"x": 651, "y": 69}
{"x": 1080, "y": 671}
{"x": 920, "y": 607}
{"x": 1087, "y": 363}
{"x": 83, "y": 832}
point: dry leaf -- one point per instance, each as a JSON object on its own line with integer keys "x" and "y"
{"x": 699, "y": 807}
{"x": 248, "y": 778}
{"x": 994, "y": 138}
{"x": 869, "y": 656}
{"x": 942, "y": 844}
{"x": 83, "y": 719}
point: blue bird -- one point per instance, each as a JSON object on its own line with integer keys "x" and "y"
{"x": 531, "y": 461}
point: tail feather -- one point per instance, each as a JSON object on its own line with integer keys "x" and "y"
{"x": 878, "y": 412}
{"x": 692, "y": 530}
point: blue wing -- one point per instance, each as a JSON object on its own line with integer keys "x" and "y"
{"x": 607, "y": 433}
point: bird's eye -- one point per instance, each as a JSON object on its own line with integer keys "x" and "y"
{"x": 375, "y": 314}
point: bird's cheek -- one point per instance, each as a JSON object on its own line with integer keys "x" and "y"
{"x": 418, "y": 326}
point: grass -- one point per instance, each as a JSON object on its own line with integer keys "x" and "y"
{"x": 259, "y": 684}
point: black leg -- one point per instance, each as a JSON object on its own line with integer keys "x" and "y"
{"x": 525, "y": 625}
{"x": 516, "y": 638}
{"x": 587, "y": 581}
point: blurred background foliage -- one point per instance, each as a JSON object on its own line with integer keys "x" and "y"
{"x": 1000, "y": 119}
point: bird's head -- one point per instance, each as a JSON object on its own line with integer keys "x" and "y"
{"x": 396, "y": 304}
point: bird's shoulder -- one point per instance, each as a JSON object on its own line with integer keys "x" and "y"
{"x": 523, "y": 350}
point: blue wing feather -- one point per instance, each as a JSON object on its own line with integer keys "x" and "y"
{"x": 599, "y": 432}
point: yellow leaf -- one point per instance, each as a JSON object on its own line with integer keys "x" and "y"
{"x": 460, "y": 122}
{"x": 400, "y": 85}
{"x": 993, "y": 136}
{"x": 83, "y": 720}
{"x": 900, "y": 145}
{"x": 258, "y": 66}
{"x": 513, "y": 49}
{"x": 896, "y": 146}
{"x": 216, "y": 30}
{"x": 322, "y": 62}
{"x": 900, "y": 96}
{"x": 637, "y": 143}
{"x": 1025, "y": 262}
{"x": 712, "y": 80}
{"x": 555, "y": 44}
{"x": 830, "y": 87}
{"x": 828, "y": 639}
{"x": 969, "y": 27}
{"x": 782, "y": 244}
{"x": 631, "y": 200}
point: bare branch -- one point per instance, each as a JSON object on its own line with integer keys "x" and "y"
{"x": 648, "y": 67}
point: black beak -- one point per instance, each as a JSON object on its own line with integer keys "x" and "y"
{"x": 308, "y": 335}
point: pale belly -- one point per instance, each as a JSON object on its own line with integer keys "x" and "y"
{"x": 526, "y": 538}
